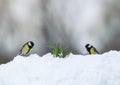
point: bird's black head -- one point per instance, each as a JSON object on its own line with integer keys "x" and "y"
{"x": 30, "y": 44}
{"x": 88, "y": 46}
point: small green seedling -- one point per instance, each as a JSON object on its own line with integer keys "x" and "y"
{"x": 59, "y": 51}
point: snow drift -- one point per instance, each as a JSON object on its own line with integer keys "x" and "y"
{"x": 101, "y": 69}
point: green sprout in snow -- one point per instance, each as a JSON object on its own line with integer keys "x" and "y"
{"x": 58, "y": 51}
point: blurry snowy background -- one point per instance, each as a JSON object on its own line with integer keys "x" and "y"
{"x": 70, "y": 23}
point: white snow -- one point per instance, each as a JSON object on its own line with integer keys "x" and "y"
{"x": 103, "y": 69}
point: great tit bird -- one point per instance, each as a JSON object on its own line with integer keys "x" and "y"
{"x": 91, "y": 49}
{"x": 26, "y": 48}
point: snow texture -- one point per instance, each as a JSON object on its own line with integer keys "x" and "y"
{"x": 101, "y": 69}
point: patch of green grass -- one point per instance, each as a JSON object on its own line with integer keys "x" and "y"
{"x": 59, "y": 51}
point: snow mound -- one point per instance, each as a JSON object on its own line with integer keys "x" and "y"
{"x": 101, "y": 69}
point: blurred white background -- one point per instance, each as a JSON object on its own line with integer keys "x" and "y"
{"x": 69, "y": 23}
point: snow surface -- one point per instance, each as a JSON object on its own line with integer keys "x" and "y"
{"x": 101, "y": 69}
